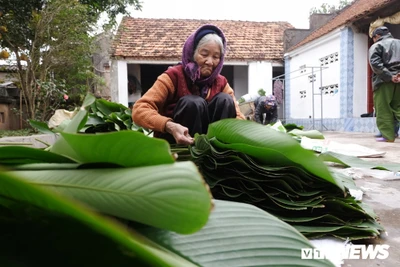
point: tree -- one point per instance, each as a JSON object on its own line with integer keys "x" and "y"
{"x": 326, "y": 8}
{"x": 51, "y": 43}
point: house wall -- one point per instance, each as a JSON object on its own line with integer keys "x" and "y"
{"x": 343, "y": 57}
{"x": 360, "y": 74}
{"x": 119, "y": 82}
{"x": 313, "y": 67}
{"x": 4, "y": 121}
{"x": 9, "y": 120}
{"x": 260, "y": 76}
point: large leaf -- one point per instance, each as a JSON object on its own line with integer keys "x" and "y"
{"x": 256, "y": 137}
{"x": 77, "y": 123}
{"x": 125, "y": 148}
{"x": 79, "y": 120}
{"x": 170, "y": 196}
{"x": 41, "y": 127}
{"x": 314, "y": 134}
{"x": 39, "y": 228}
{"x": 352, "y": 161}
{"x": 240, "y": 235}
{"x": 107, "y": 107}
{"x": 13, "y": 155}
{"x": 107, "y": 116}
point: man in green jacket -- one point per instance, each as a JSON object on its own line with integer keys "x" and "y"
{"x": 384, "y": 59}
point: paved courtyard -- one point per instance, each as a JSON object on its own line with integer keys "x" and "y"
{"x": 382, "y": 195}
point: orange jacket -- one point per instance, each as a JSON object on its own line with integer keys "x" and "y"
{"x": 147, "y": 111}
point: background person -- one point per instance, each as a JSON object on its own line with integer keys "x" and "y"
{"x": 266, "y": 105}
{"x": 384, "y": 59}
{"x": 186, "y": 98}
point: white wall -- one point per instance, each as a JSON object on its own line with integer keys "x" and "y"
{"x": 119, "y": 82}
{"x": 360, "y": 98}
{"x": 260, "y": 76}
{"x": 307, "y": 61}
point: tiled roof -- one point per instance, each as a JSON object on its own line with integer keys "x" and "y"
{"x": 163, "y": 39}
{"x": 359, "y": 9}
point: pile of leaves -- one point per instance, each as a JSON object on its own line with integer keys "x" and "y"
{"x": 246, "y": 162}
{"x": 102, "y": 116}
{"x": 107, "y": 116}
{"x": 70, "y": 205}
{"x": 250, "y": 163}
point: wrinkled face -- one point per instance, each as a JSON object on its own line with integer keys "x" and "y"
{"x": 207, "y": 57}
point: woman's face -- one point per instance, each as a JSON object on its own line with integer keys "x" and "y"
{"x": 207, "y": 57}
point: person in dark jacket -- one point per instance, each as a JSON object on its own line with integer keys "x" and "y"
{"x": 266, "y": 105}
{"x": 384, "y": 59}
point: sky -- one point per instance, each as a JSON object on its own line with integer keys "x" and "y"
{"x": 296, "y": 12}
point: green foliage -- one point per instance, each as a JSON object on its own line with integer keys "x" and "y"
{"x": 327, "y": 9}
{"x": 52, "y": 44}
{"x": 103, "y": 116}
{"x": 239, "y": 234}
{"x": 60, "y": 202}
{"x": 41, "y": 220}
{"x": 107, "y": 116}
{"x": 38, "y": 221}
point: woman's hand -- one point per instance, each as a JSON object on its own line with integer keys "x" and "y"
{"x": 179, "y": 132}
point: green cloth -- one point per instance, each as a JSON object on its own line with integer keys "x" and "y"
{"x": 387, "y": 108}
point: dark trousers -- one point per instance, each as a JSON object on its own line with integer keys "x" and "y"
{"x": 196, "y": 114}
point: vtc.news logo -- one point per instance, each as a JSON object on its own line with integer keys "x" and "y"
{"x": 350, "y": 252}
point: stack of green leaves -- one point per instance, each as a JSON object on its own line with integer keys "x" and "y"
{"x": 107, "y": 116}
{"x": 64, "y": 206}
{"x": 246, "y": 162}
{"x": 102, "y": 116}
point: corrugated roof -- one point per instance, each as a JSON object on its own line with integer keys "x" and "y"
{"x": 163, "y": 39}
{"x": 359, "y": 9}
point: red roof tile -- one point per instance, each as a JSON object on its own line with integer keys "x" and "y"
{"x": 359, "y": 9}
{"x": 163, "y": 39}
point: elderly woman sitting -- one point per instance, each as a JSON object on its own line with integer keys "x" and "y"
{"x": 186, "y": 98}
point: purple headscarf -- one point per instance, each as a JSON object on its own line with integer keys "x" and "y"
{"x": 190, "y": 67}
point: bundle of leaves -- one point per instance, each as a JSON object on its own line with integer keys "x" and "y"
{"x": 71, "y": 199}
{"x": 108, "y": 116}
{"x": 246, "y": 162}
{"x": 102, "y": 116}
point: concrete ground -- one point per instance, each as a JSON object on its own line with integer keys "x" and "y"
{"x": 382, "y": 195}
